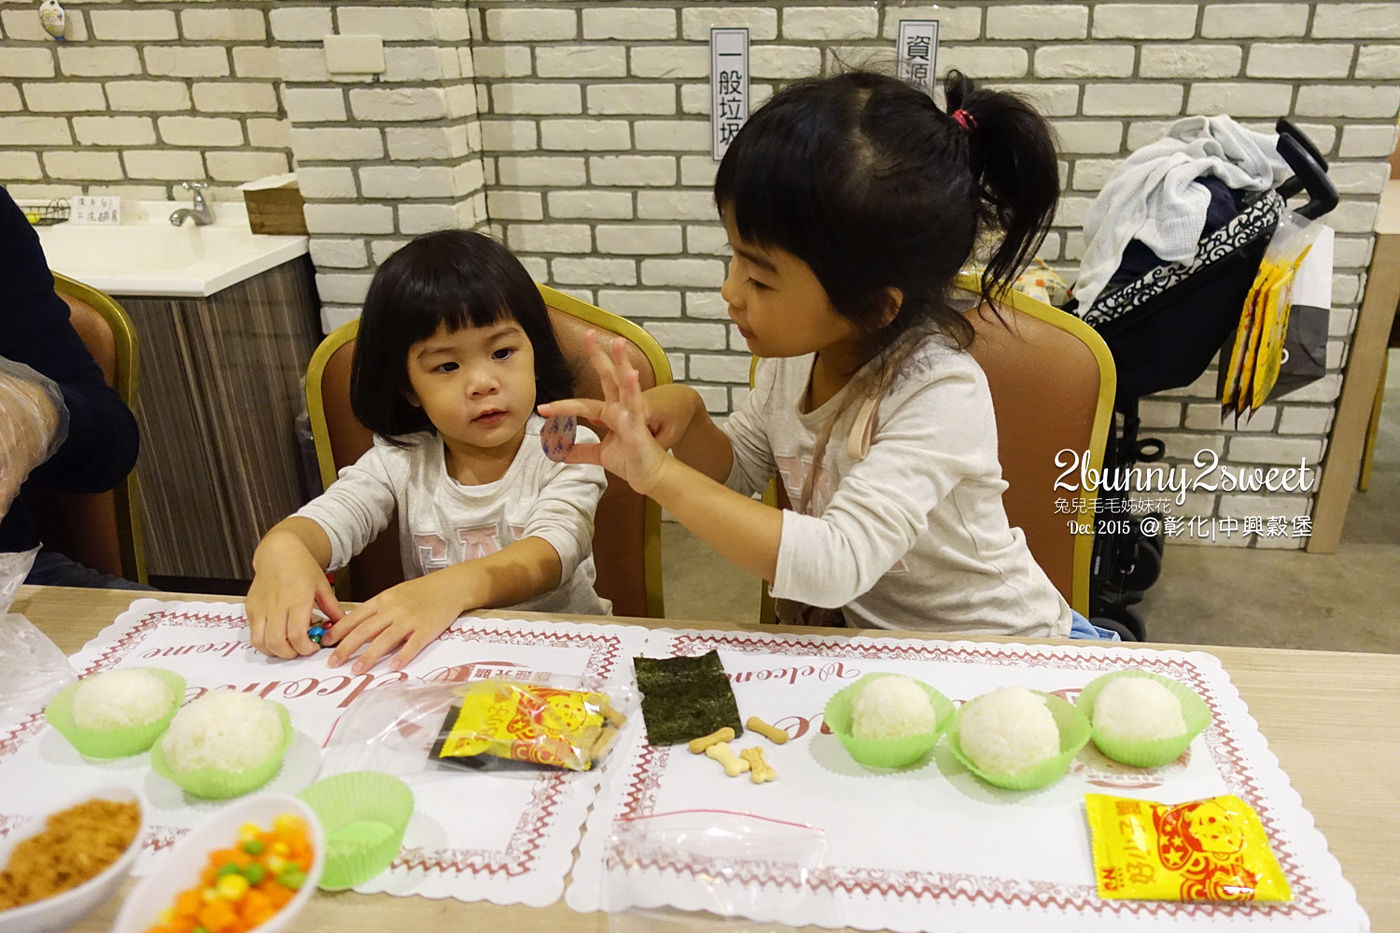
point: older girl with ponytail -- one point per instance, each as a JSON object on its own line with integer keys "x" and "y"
{"x": 851, "y": 203}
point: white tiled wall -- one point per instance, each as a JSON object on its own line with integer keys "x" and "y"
{"x": 579, "y": 132}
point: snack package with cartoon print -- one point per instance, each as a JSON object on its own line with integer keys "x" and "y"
{"x": 1203, "y": 850}
{"x": 529, "y": 722}
{"x": 511, "y": 721}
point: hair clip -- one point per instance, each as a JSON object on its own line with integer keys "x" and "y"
{"x": 964, "y": 119}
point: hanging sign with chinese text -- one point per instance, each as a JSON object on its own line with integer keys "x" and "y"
{"x": 918, "y": 51}
{"x": 729, "y": 85}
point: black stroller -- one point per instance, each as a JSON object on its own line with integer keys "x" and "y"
{"x": 1164, "y": 322}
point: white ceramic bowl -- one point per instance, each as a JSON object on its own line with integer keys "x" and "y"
{"x": 64, "y": 910}
{"x": 180, "y": 868}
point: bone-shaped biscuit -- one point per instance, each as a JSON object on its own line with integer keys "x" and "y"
{"x": 760, "y": 770}
{"x": 733, "y": 765}
{"x": 704, "y": 742}
{"x": 772, "y": 733}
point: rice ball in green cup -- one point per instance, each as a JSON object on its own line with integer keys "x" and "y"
{"x": 118, "y": 713}
{"x": 224, "y": 744}
{"x": 892, "y": 707}
{"x": 1008, "y": 731}
{"x": 1137, "y": 709}
{"x": 121, "y": 699}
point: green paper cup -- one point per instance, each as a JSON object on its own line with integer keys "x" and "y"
{"x": 884, "y": 753}
{"x": 218, "y": 784}
{"x": 113, "y": 743}
{"x": 1074, "y": 735}
{"x": 364, "y": 815}
{"x": 1158, "y": 752}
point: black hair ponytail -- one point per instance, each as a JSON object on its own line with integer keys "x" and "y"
{"x": 1011, "y": 152}
{"x": 863, "y": 177}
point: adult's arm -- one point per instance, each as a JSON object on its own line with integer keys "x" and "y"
{"x": 102, "y": 440}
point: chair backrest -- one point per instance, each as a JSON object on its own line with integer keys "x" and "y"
{"x": 102, "y": 530}
{"x": 1052, "y": 381}
{"x": 627, "y": 526}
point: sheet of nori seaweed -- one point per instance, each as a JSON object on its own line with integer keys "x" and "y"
{"x": 685, "y": 698}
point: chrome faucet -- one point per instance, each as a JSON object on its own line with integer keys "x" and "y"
{"x": 201, "y": 212}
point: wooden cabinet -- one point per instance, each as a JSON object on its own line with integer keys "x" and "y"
{"x": 219, "y": 401}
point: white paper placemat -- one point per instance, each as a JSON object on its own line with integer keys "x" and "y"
{"x": 931, "y": 848}
{"x": 473, "y": 836}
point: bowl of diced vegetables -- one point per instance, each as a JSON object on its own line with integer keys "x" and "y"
{"x": 251, "y": 867}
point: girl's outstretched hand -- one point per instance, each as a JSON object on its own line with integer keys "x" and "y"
{"x": 287, "y": 585}
{"x": 629, "y": 450}
{"x": 407, "y": 617}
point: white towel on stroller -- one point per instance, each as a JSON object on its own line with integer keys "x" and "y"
{"x": 1152, "y": 196}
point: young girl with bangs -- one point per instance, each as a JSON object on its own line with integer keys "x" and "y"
{"x": 454, "y": 351}
{"x": 851, "y": 203}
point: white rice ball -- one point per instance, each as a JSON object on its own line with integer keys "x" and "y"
{"x": 892, "y": 707}
{"x": 121, "y": 699}
{"x": 223, "y": 729}
{"x": 1009, "y": 731}
{"x": 1137, "y": 709}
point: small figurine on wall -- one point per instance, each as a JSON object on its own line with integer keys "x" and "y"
{"x": 53, "y": 18}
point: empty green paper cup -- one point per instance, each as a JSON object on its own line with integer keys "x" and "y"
{"x": 218, "y": 783}
{"x": 113, "y": 743}
{"x": 1158, "y": 752}
{"x": 1074, "y": 735}
{"x": 884, "y": 753}
{"x": 364, "y": 815}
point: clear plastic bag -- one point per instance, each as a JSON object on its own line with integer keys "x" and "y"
{"x": 32, "y": 668}
{"x": 723, "y": 870}
{"x": 33, "y": 425}
{"x": 491, "y": 724}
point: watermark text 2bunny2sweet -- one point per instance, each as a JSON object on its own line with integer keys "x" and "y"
{"x": 1209, "y": 476}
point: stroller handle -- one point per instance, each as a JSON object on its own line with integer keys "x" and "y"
{"x": 1309, "y": 172}
{"x": 1285, "y": 125}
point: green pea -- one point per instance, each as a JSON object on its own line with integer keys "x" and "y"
{"x": 253, "y": 847}
{"x": 255, "y": 873}
{"x": 292, "y": 877}
{"x": 227, "y": 868}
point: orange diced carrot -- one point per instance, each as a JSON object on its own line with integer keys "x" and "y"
{"x": 253, "y": 907}
{"x": 217, "y": 916}
{"x": 276, "y": 894}
{"x": 188, "y": 903}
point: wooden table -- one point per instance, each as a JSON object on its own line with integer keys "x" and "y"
{"x": 1332, "y": 718}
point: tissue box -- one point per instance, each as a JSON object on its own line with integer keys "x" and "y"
{"x": 276, "y": 210}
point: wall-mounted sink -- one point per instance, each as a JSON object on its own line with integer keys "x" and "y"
{"x": 145, "y": 255}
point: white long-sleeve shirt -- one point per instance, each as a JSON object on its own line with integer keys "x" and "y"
{"x": 913, "y": 536}
{"x": 442, "y": 522}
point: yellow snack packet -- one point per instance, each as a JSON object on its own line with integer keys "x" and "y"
{"x": 529, "y": 722}
{"x": 1204, "y": 850}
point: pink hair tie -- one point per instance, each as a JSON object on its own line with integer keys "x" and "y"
{"x": 964, "y": 119}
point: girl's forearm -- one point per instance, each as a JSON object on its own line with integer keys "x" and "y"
{"x": 512, "y": 575}
{"x": 290, "y": 531}
{"x": 704, "y": 447}
{"x": 742, "y": 529}
{"x": 678, "y": 419}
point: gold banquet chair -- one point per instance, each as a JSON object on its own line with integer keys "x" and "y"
{"x": 1052, "y": 381}
{"x": 627, "y": 526}
{"x": 99, "y": 530}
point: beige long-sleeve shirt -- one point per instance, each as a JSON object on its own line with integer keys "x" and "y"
{"x": 913, "y": 536}
{"x": 442, "y": 522}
